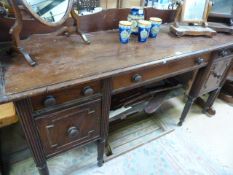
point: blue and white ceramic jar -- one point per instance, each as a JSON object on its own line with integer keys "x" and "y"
{"x": 155, "y": 26}
{"x": 143, "y": 30}
{"x": 124, "y": 31}
{"x": 136, "y": 14}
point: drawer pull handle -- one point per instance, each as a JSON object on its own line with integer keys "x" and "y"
{"x": 223, "y": 53}
{"x": 136, "y": 78}
{"x": 73, "y": 132}
{"x": 199, "y": 61}
{"x": 216, "y": 75}
{"x": 88, "y": 91}
{"x": 49, "y": 101}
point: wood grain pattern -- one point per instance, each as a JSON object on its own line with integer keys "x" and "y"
{"x": 209, "y": 80}
{"x": 104, "y": 123}
{"x": 24, "y": 111}
{"x": 65, "y": 95}
{"x": 67, "y": 61}
{"x": 54, "y": 127}
{"x": 159, "y": 72}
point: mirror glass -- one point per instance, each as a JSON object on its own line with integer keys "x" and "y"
{"x": 222, "y": 6}
{"x": 194, "y": 10}
{"x": 50, "y": 11}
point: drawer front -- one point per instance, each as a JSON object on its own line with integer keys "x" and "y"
{"x": 216, "y": 75}
{"x": 172, "y": 68}
{"x": 61, "y": 96}
{"x": 67, "y": 128}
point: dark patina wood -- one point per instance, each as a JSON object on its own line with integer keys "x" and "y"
{"x": 70, "y": 127}
{"x": 24, "y": 110}
{"x": 65, "y": 62}
{"x": 15, "y": 32}
{"x": 209, "y": 80}
{"x": 66, "y": 95}
{"x": 172, "y": 68}
{"x": 70, "y": 73}
{"x": 106, "y": 103}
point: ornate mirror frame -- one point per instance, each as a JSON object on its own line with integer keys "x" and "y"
{"x": 36, "y": 16}
{"x": 195, "y": 27}
{"x": 204, "y": 14}
{"x": 64, "y": 30}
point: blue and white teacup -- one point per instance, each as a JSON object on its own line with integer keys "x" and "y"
{"x": 143, "y": 30}
{"x": 124, "y": 31}
{"x": 155, "y": 26}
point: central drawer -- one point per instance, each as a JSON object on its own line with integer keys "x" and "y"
{"x": 70, "y": 127}
{"x": 169, "y": 69}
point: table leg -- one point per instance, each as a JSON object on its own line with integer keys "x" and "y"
{"x": 210, "y": 101}
{"x": 106, "y": 103}
{"x": 187, "y": 107}
{"x": 108, "y": 149}
{"x": 24, "y": 111}
{"x": 101, "y": 146}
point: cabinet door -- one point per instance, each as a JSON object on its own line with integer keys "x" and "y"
{"x": 67, "y": 128}
{"x": 216, "y": 75}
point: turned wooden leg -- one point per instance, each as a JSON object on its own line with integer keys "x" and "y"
{"x": 108, "y": 149}
{"x": 106, "y": 103}
{"x": 101, "y": 146}
{"x": 24, "y": 111}
{"x": 187, "y": 107}
{"x": 210, "y": 101}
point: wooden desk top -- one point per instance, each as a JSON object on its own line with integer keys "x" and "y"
{"x": 66, "y": 61}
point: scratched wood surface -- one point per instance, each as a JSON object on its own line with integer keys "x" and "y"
{"x": 66, "y": 61}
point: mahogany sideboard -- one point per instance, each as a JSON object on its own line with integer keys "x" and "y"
{"x": 64, "y": 101}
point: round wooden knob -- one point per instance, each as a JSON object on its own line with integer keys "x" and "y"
{"x": 2, "y": 11}
{"x": 88, "y": 91}
{"x": 199, "y": 61}
{"x": 223, "y": 53}
{"x": 136, "y": 78}
{"x": 217, "y": 75}
{"x": 73, "y": 131}
{"x": 49, "y": 101}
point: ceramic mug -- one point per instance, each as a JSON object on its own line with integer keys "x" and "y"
{"x": 124, "y": 31}
{"x": 143, "y": 30}
{"x": 136, "y": 13}
{"x": 155, "y": 26}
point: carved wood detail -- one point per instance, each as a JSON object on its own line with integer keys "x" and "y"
{"x": 15, "y": 32}
{"x": 106, "y": 103}
{"x": 24, "y": 111}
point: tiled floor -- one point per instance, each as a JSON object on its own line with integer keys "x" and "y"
{"x": 202, "y": 146}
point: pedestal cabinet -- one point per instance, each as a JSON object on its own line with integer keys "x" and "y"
{"x": 209, "y": 80}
